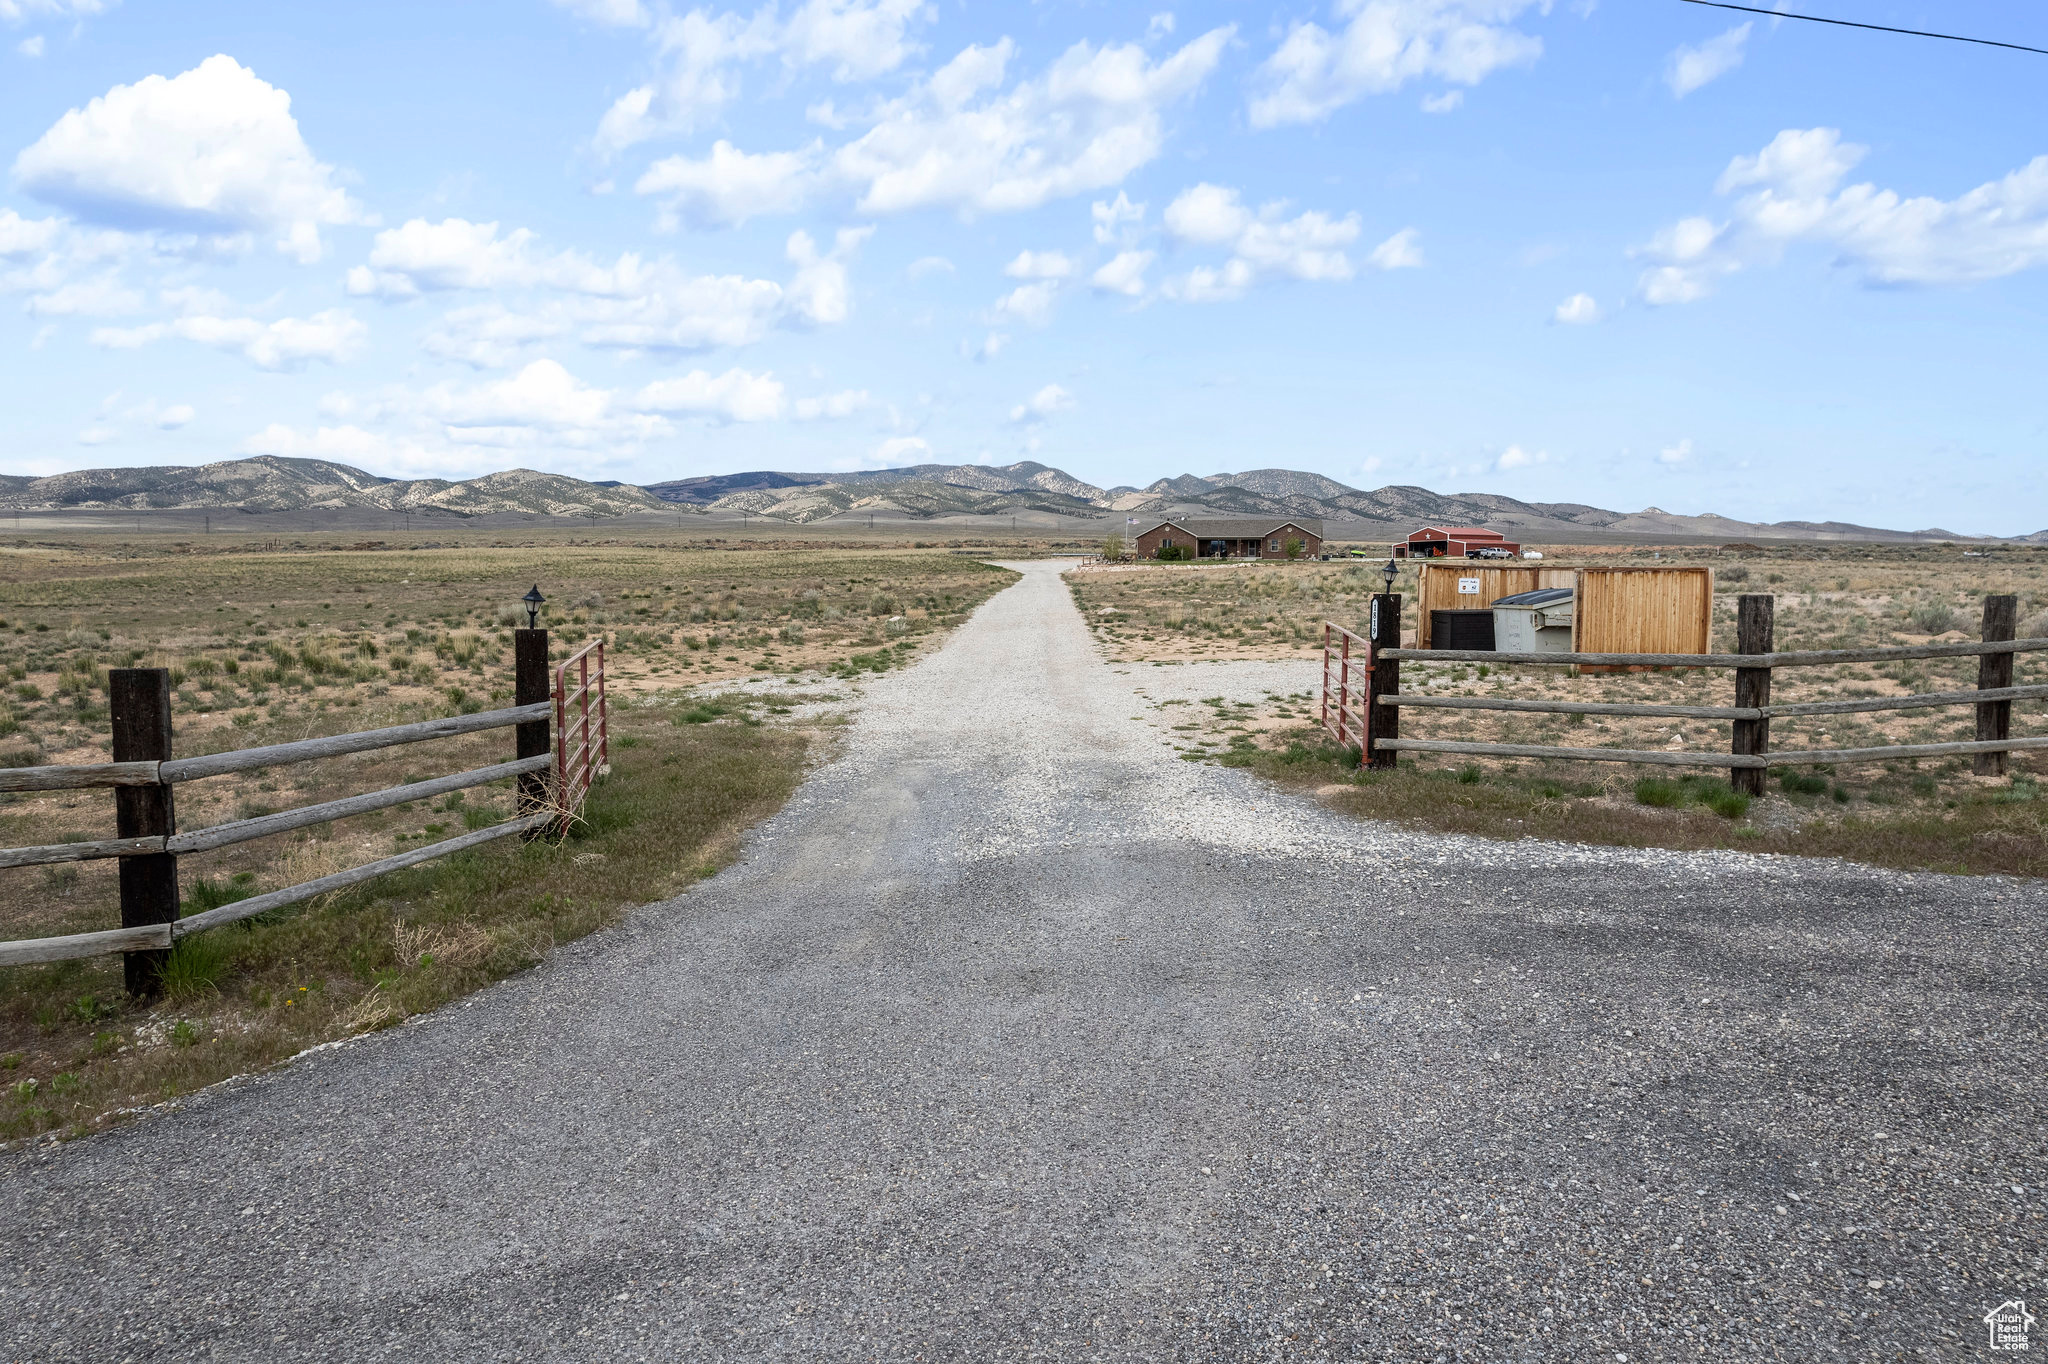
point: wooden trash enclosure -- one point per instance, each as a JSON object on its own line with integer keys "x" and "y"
{"x": 1648, "y": 609}
{"x": 1439, "y": 584}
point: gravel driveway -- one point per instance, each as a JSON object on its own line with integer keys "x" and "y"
{"x": 1015, "y": 1037}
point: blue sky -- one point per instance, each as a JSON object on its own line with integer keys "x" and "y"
{"x": 1627, "y": 254}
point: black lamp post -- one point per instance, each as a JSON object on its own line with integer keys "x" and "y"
{"x": 1390, "y": 573}
{"x": 533, "y": 600}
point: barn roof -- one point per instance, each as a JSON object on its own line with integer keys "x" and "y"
{"x": 1462, "y": 532}
{"x": 1239, "y": 527}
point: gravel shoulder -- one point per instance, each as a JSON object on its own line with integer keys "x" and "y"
{"x": 1013, "y": 1036}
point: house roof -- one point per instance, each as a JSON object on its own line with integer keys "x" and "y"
{"x": 1238, "y": 527}
{"x": 1461, "y": 532}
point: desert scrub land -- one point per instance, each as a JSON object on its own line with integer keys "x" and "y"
{"x": 1910, "y": 813}
{"x": 266, "y": 646}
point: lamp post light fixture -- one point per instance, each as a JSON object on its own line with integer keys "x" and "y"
{"x": 533, "y": 600}
{"x": 1390, "y": 573}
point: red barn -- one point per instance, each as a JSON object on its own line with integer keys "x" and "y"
{"x": 1457, "y": 542}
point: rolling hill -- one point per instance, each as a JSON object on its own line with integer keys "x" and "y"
{"x": 270, "y": 483}
{"x": 922, "y": 492}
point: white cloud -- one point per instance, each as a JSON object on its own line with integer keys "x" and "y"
{"x": 988, "y": 348}
{"x": 730, "y": 186}
{"x": 1443, "y": 103}
{"x": 1795, "y": 196}
{"x": 1209, "y": 214}
{"x": 175, "y": 416}
{"x": 1039, "y": 265}
{"x": 1095, "y": 116}
{"x": 1691, "y": 67}
{"x": 1515, "y": 457}
{"x": 928, "y": 265}
{"x": 1123, "y": 274}
{"x": 97, "y": 435}
{"x": 734, "y": 395}
{"x": 1579, "y": 310}
{"x": 897, "y": 449}
{"x": 21, "y": 11}
{"x": 629, "y": 303}
{"x": 818, "y": 292}
{"x": 1267, "y": 244}
{"x": 1675, "y": 454}
{"x": 288, "y": 343}
{"x": 833, "y": 406}
{"x": 213, "y": 152}
{"x": 1383, "y": 45}
{"x": 957, "y": 139}
{"x": 490, "y": 335}
{"x": 543, "y": 412}
{"x": 1398, "y": 252}
{"x": 1030, "y": 303}
{"x": 1115, "y": 222}
{"x": 611, "y": 13}
{"x": 31, "y": 48}
{"x": 21, "y": 236}
{"x": 1040, "y": 406}
{"x": 700, "y": 54}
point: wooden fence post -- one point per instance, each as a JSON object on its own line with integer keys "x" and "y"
{"x": 530, "y": 685}
{"x": 140, "y": 699}
{"x": 1994, "y": 718}
{"x": 1383, "y": 628}
{"x": 1754, "y": 619}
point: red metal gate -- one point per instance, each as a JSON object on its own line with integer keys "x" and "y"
{"x": 580, "y": 756}
{"x": 1347, "y": 679}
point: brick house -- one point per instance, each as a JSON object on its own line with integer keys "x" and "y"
{"x": 1233, "y": 537}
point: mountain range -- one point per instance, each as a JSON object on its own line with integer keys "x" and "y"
{"x": 923, "y": 492}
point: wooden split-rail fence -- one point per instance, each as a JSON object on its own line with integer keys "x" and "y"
{"x": 552, "y": 781}
{"x": 1363, "y": 701}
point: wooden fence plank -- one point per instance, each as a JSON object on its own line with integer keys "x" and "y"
{"x": 1916, "y": 702}
{"x": 1575, "y": 707}
{"x": 242, "y": 830}
{"x": 1655, "y": 757}
{"x": 307, "y": 750}
{"x": 79, "y": 852}
{"x": 1858, "y": 755}
{"x": 1800, "y": 658}
{"x": 146, "y": 938}
{"x": 341, "y": 880}
{"x": 78, "y": 776}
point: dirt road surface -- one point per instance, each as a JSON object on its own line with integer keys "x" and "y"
{"x": 1014, "y": 1037}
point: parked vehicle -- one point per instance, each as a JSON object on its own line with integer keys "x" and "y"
{"x": 1489, "y": 552}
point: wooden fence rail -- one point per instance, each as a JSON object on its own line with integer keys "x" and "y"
{"x": 1751, "y": 714}
{"x": 144, "y": 774}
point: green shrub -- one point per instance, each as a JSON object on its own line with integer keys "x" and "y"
{"x": 1725, "y": 801}
{"x": 1801, "y": 784}
{"x": 1937, "y": 619}
{"x": 197, "y": 963}
{"x": 1172, "y": 553}
{"x": 1661, "y": 792}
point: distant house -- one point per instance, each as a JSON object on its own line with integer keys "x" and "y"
{"x": 1455, "y": 542}
{"x": 1234, "y": 537}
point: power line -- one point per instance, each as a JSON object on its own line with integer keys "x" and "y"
{"x": 1880, "y": 28}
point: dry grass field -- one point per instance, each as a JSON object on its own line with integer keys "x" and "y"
{"x": 268, "y": 641}
{"x": 1925, "y": 812}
